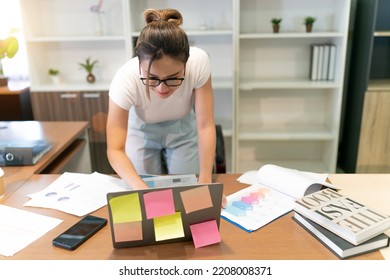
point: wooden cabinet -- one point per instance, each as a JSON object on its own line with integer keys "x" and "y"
{"x": 78, "y": 106}
{"x": 374, "y": 148}
{"x": 15, "y": 104}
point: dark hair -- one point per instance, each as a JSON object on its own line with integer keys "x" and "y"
{"x": 162, "y": 35}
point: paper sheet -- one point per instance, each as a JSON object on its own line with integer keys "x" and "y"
{"x": 19, "y": 228}
{"x": 76, "y": 193}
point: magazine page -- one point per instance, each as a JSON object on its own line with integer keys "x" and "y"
{"x": 271, "y": 194}
{"x": 291, "y": 182}
{"x": 256, "y": 206}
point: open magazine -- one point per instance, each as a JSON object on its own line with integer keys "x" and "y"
{"x": 271, "y": 194}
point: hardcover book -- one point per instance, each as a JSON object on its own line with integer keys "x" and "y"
{"x": 349, "y": 219}
{"x": 339, "y": 246}
{"x": 18, "y": 153}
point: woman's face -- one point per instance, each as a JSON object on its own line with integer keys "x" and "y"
{"x": 162, "y": 69}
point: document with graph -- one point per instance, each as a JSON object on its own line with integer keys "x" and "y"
{"x": 271, "y": 195}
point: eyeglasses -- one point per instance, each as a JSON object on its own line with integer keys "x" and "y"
{"x": 170, "y": 82}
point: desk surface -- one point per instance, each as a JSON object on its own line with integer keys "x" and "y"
{"x": 281, "y": 239}
{"x": 60, "y": 134}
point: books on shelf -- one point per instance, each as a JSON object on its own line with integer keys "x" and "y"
{"x": 323, "y": 61}
{"x": 272, "y": 194}
{"x": 339, "y": 246}
{"x": 345, "y": 217}
{"x": 23, "y": 152}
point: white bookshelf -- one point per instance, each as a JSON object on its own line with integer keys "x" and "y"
{"x": 281, "y": 116}
{"x": 60, "y": 34}
{"x": 270, "y": 110}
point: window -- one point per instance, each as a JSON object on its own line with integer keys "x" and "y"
{"x": 11, "y": 24}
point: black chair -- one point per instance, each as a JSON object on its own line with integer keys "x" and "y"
{"x": 220, "y": 159}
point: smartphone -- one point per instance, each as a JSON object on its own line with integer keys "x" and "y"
{"x": 80, "y": 232}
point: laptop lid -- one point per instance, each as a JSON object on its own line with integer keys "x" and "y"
{"x": 164, "y": 215}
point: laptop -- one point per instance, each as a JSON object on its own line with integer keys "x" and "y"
{"x": 165, "y": 215}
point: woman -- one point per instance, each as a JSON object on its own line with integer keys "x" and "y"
{"x": 161, "y": 106}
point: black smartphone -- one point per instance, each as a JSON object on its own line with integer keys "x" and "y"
{"x": 77, "y": 234}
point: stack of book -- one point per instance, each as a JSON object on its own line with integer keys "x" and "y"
{"x": 323, "y": 62}
{"x": 348, "y": 228}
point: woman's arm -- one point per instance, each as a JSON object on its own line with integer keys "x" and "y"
{"x": 204, "y": 111}
{"x": 116, "y": 142}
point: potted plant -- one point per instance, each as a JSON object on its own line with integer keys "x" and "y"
{"x": 276, "y": 24}
{"x": 54, "y": 75}
{"x": 309, "y": 23}
{"x": 88, "y": 66}
{"x": 8, "y": 48}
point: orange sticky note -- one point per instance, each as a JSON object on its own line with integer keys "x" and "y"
{"x": 128, "y": 231}
{"x": 159, "y": 203}
{"x": 205, "y": 233}
{"x": 196, "y": 199}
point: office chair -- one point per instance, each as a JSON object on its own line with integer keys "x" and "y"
{"x": 220, "y": 159}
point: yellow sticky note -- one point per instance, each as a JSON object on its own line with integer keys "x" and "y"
{"x": 126, "y": 208}
{"x": 168, "y": 227}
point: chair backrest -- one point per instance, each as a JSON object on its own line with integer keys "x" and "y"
{"x": 220, "y": 159}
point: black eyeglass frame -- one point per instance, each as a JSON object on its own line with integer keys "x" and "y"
{"x": 165, "y": 81}
{"x": 145, "y": 80}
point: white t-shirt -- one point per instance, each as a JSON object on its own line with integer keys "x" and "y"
{"x": 127, "y": 90}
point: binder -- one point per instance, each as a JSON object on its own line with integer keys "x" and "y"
{"x": 23, "y": 152}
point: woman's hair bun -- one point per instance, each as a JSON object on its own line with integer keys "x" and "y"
{"x": 168, "y": 15}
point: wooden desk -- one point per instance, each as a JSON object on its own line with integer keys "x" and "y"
{"x": 282, "y": 239}
{"x": 70, "y": 150}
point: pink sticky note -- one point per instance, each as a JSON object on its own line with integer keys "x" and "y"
{"x": 205, "y": 233}
{"x": 159, "y": 203}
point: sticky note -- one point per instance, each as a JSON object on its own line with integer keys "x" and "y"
{"x": 205, "y": 233}
{"x": 159, "y": 203}
{"x": 125, "y": 208}
{"x": 128, "y": 231}
{"x": 196, "y": 199}
{"x": 168, "y": 227}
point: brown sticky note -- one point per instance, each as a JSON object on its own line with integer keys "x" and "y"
{"x": 131, "y": 231}
{"x": 196, "y": 199}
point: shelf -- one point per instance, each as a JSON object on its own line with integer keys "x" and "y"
{"x": 199, "y": 33}
{"x": 286, "y": 35}
{"x": 291, "y": 135}
{"x": 382, "y": 34}
{"x": 55, "y": 39}
{"x": 287, "y": 84}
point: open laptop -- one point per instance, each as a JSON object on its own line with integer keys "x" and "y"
{"x": 164, "y": 215}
